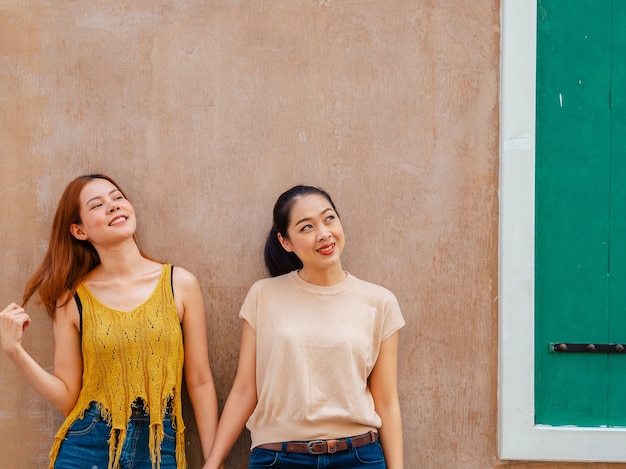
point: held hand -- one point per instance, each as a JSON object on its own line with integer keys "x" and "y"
{"x": 13, "y": 321}
{"x": 208, "y": 465}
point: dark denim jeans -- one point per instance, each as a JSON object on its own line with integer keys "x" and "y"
{"x": 86, "y": 445}
{"x": 370, "y": 456}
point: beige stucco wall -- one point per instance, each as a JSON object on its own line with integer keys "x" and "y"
{"x": 204, "y": 111}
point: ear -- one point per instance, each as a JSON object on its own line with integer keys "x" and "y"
{"x": 78, "y": 232}
{"x": 284, "y": 242}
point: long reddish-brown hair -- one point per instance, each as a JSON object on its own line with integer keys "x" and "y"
{"x": 68, "y": 260}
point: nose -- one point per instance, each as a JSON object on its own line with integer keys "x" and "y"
{"x": 323, "y": 233}
{"x": 114, "y": 206}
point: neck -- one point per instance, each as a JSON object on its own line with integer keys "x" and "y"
{"x": 120, "y": 260}
{"x": 323, "y": 277}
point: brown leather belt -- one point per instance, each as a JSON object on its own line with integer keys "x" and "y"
{"x": 323, "y": 446}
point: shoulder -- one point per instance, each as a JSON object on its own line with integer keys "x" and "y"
{"x": 183, "y": 280}
{"x": 183, "y": 275}
{"x": 373, "y": 289}
{"x": 67, "y": 309}
{"x": 268, "y": 287}
{"x": 269, "y": 283}
{"x": 386, "y": 303}
{"x": 63, "y": 299}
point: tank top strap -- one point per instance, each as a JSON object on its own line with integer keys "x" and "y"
{"x": 79, "y": 305}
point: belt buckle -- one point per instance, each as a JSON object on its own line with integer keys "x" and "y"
{"x": 309, "y": 447}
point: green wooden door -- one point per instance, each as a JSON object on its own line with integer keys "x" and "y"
{"x": 580, "y": 224}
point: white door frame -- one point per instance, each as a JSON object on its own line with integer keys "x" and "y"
{"x": 519, "y": 437}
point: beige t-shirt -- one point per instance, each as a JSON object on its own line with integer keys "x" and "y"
{"x": 316, "y": 347}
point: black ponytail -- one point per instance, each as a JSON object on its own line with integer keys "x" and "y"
{"x": 277, "y": 260}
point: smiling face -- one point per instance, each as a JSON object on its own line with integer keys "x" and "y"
{"x": 106, "y": 216}
{"x": 315, "y": 235}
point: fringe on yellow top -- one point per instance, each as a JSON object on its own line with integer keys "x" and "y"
{"x": 127, "y": 356}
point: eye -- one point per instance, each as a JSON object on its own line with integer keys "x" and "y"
{"x": 330, "y": 217}
{"x": 306, "y": 227}
{"x": 96, "y": 205}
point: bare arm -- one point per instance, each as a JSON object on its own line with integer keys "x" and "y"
{"x": 198, "y": 376}
{"x": 384, "y": 386}
{"x": 240, "y": 403}
{"x": 62, "y": 387}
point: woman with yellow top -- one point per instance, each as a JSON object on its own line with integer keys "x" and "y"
{"x": 119, "y": 321}
{"x": 316, "y": 382}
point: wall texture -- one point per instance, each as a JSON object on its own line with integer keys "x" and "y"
{"x": 205, "y": 111}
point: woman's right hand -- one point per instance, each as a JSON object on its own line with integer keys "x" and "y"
{"x": 60, "y": 388}
{"x": 13, "y": 322}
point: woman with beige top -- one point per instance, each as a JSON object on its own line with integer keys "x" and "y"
{"x": 316, "y": 382}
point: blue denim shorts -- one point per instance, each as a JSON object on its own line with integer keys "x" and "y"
{"x": 370, "y": 456}
{"x": 86, "y": 445}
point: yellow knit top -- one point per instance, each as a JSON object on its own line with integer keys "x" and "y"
{"x": 131, "y": 355}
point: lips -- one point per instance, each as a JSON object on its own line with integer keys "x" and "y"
{"x": 327, "y": 249}
{"x": 120, "y": 219}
